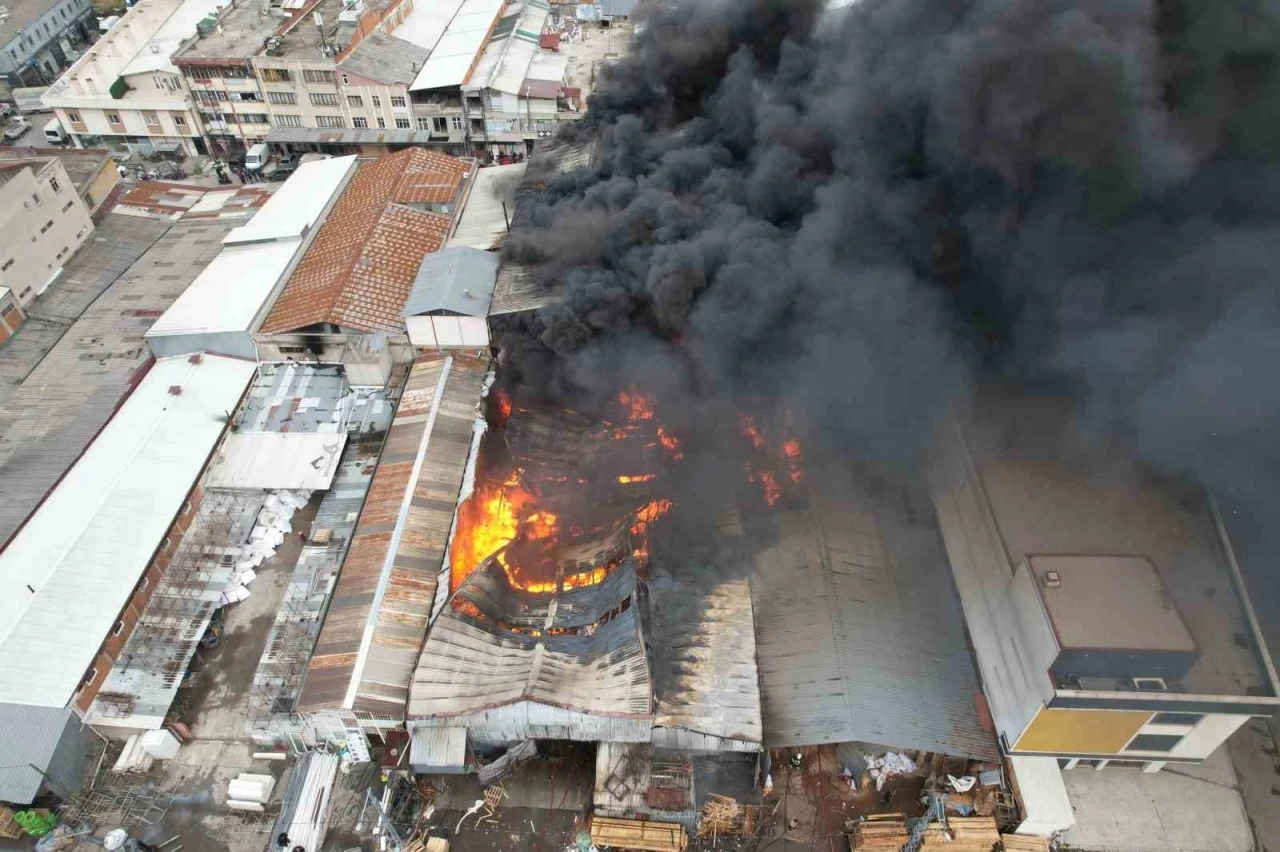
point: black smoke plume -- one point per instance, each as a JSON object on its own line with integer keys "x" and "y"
{"x": 854, "y": 217}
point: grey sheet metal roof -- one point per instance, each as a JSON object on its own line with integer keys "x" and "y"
{"x": 473, "y": 663}
{"x": 386, "y": 59}
{"x": 459, "y": 280}
{"x": 858, "y": 630}
{"x": 31, "y": 737}
{"x": 438, "y": 750}
{"x": 705, "y": 665}
{"x": 352, "y": 136}
{"x": 517, "y": 291}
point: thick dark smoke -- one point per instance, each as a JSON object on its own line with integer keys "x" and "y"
{"x": 855, "y": 217}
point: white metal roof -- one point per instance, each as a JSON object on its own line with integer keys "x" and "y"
{"x": 277, "y": 460}
{"x": 298, "y": 203}
{"x": 66, "y": 575}
{"x": 463, "y": 39}
{"x": 181, "y": 25}
{"x": 228, "y": 294}
{"x": 427, "y": 22}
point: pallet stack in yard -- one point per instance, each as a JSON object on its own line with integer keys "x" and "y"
{"x": 963, "y": 834}
{"x": 880, "y": 832}
{"x": 1024, "y": 843}
{"x": 638, "y": 834}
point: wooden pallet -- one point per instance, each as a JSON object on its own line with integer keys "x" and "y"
{"x": 963, "y": 834}
{"x": 1024, "y": 843}
{"x": 9, "y": 828}
{"x": 638, "y": 834}
{"x": 880, "y": 831}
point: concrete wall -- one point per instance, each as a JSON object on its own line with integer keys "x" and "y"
{"x": 99, "y": 189}
{"x": 42, "y": 228}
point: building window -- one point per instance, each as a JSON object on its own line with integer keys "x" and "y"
{"x": 1153, "y": 742}
{"x": 317, "y": 76}
{"x": 282, "y": 97}
{"x": 402, "y": 123}
{"x": 275, "y": 75}
{"x": 345, "y": 80}
{"x": 359, "y": 121}
{"x": 89, "y": 677}
{"x": 382, "y": 122}
{"x": 8, "y": 263}
{"x": 288, "y": 121}
{"x": 377, "y": 101}
{"x": 424, "y": 124}
{"x": 457, "y": 122}
{"x": 179, "y": 121}
{"x": 1176, "y": 718}
{"x": 441, "y": 125}
{"x": 355, "y": 101}
{"x": 323, "y": 99}
{"x": 199, "y": 72}
{"x": 254, "y": 118}
{"x": 113, "y": 118}
{"x": 53, "y": 184}
{"x": 67, "y": 206}
{"x": 73, "y": 116}
{"x": 151, "y": 118}
{"x": 329, "y": 121}
{"x": 397, "y": 102}
{"x": 47, "y": 225}
{"x": 118, "y": 628}
{"x": 210, "y": 97}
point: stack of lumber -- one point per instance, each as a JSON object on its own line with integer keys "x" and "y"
{"x": 963, "y": 834}
{"x": 418, "y": 843}
{"x": 720, "y": 817}
{"x": 880, "y": 831}
{"x": 9, "y": 828}
{"x": 1024, "y": 843}
{"x": 638, "y": 834}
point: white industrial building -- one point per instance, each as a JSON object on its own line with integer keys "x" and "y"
{"x": 1110, "y": 625}
{"x": 225, "y": 304}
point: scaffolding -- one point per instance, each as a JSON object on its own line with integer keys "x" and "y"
{"x": 154, "y": 661}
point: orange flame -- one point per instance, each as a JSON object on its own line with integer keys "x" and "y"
{"x": 641, "y": 477}
{"x": 668, "y": 441}
{"x": 540, "y": 525}
{"x": 748, "y": 424}
{"x": 504, "y": 406}
{"x": 639, "y": 405}
{"x": 487, "y": 522}
{"x": 791, "y": 449}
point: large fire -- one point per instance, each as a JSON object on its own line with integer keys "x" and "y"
{"x": 505, "y": 519}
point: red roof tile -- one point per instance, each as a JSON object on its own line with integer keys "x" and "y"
{"x": 359, "y": 270}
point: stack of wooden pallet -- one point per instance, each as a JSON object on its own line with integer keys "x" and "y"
{"x": 963, "y": 834}
{"x": 1024, "y": 843}
{"x": 638, "y": 834}
{"x": 880, "y": 831}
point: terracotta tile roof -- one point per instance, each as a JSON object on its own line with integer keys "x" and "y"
{"x": 360, "y": 269}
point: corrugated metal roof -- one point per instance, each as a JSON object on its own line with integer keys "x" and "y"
{"x": 375, "y": 624}
{"x": 458, "y": 280}
{"x": 31, "y": 736}
{"x": 858, "y": 629}
{"x": 470, "y": 664}
{"x": 438, "y": 749}
{"x": 67, "y": 574}
{"x": 482, "y": 222}
{"x": 516, "y": 291}
{"x": 707, "y": 660}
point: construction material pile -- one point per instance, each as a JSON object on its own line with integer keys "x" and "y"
{"x": 248, "y": 792}
{"x": 963, "y": 834}
{"x": 880, "y": 831}
{"x": 722, "y": 816}
{"x": 273, "y": 523}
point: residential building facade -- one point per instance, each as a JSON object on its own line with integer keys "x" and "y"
{"x": 125, "y": 93}
{"x": 43, "y": 220}
{"x": 39, "y": 38}
{"x": 11, "y": 314}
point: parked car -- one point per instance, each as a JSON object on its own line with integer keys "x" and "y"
{"x": 54, "y": 134}
{"x": 279, "y": 168}
{"x": 15, "y": 128}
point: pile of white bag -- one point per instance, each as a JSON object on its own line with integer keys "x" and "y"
{"x": 891, "y": 764}
{"x": 274, "y": 522}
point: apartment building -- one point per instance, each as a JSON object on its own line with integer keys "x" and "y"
{"x": 125, "y": 92}
{"x": 38, "y": 38}
{"x": 1108, "y": 616}
{"x": 43, "y": 220}
{"x": 11, "y": 314}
